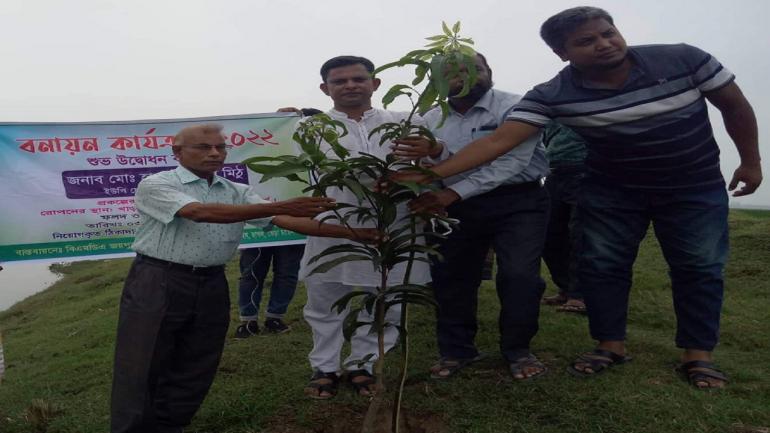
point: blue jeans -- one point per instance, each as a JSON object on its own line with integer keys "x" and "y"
{"x": 512, "y": 221}
{"x": 254, "y": 264}
{"x": 691, "y": 228}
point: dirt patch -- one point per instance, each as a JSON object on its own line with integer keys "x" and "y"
{"x": 341, "y": 418}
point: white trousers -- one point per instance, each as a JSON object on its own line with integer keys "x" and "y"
{"x": 327, "y": 328}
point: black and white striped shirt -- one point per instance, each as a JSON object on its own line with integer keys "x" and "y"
{"x": 654, "y": 132}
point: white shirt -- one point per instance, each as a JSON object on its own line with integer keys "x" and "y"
{"x": 359, "y": 273}
{"x": 524, "y": 163}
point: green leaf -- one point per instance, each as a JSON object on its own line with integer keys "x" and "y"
{"x": 398, "y": 63}
{"x": 438, "y": 76}
{"x": 388, "y": 213}
{"x": 356, "y": 188}
{"x": 446, "y": 30}
{"x": 444, "y": 106}
{"x": 351, "y": 323}
{"x": 419, "y": 74}
{"x": 342, "y": 248}
{"x": 416, "y": 54}
{"x": 271, "y": 171}
{"x": 342, "y": 303}
{"x": 255, "y": 159}
{"x": 370, "y": 302}
{"x": 394, "y": 91}
{"x": 456, "y": 28}
{"x": 468, "y": 51}
{"x": 409, "y": 288}
{"x": 470, "y": 66}
{"x": 359, "y": 363}
{"x": 414, "y": 187}
{"x": 326, "y": 266}
{"x": 413, "y": 300}
{"x": 427, "y": 98}
{"x": 337, "y": 148}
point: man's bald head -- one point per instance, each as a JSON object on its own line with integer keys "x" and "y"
{"x": 197, "y": 134}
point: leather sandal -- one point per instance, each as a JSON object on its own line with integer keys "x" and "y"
{"x": 598, "y": 361}
{"x": 321, "y": 383}
{"x": 696, "y": 372}
{"x": 364, "y": 387}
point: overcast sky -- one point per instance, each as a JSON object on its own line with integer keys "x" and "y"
{"x": 82, "y": 60}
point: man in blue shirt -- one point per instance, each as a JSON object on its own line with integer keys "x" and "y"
{"x": 175, "y": 306}
{"x": 651, "y": 158}
{"x": 501, "y": 204}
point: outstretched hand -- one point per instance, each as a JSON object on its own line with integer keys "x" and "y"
{"x": 416, "y": 147}
{"x": 750, "y": 176}
{"x": 433, "y": 202}
{"x": 306, "y": 206}
{"x": 366, "y": 235}
{"x": 415, "y": 176}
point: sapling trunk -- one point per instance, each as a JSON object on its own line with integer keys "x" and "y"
{"x": 375, "y": 405}
{"x": 396, "y": 423}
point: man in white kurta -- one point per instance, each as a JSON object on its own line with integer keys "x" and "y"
{"x": 348, "y": 81}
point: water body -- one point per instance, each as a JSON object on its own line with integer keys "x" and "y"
{"x": 20, "y": 280}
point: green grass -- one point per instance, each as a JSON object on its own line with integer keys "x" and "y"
{"x": 59, "y": 343}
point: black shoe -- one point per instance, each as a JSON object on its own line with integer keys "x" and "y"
{"x": 276, "y": 326}
{"x": 247, "y": 329}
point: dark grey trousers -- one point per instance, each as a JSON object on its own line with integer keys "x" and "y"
{"x": 171, "y": 332}
{"x": 512, "y": 219}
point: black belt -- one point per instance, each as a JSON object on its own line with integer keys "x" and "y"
{"x": 203, "y": 270}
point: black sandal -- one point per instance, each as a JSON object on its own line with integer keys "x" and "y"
{"x": 362, "y": 385}
{"x": 315, "y": 388}
{"x": 598, "y": 361}
{"x": 451, "y": 366}
{"x": 699, "y": 372}
{"x": 530, "y": 361}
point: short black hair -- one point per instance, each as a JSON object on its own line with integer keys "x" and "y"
{"x": 310, "y": 111}
{"x": 339, "y": 61}
{"x": 554, "y": 30}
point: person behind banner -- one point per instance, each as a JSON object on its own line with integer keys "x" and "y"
{"x": 254, "y": 265}
{"x": 652, "y": 157}
{"x": 174, "y": 310}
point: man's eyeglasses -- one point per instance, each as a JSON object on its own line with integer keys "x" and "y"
{"x": 202, "y": 147}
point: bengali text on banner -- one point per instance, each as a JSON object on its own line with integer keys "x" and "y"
{"x": 67, "y": 188}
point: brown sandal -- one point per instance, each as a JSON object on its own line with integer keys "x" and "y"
{"x": 557, "y": 299}
{"x": 321, "y": 383}
{"x": 364, "y": 387}
{"x": 572, "y": 306}
{"x": 699, "y": 372}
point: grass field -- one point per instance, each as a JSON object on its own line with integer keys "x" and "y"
{"x": 59, "y": 344}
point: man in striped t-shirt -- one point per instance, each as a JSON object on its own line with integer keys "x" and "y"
{"x": 651, "y": 158}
